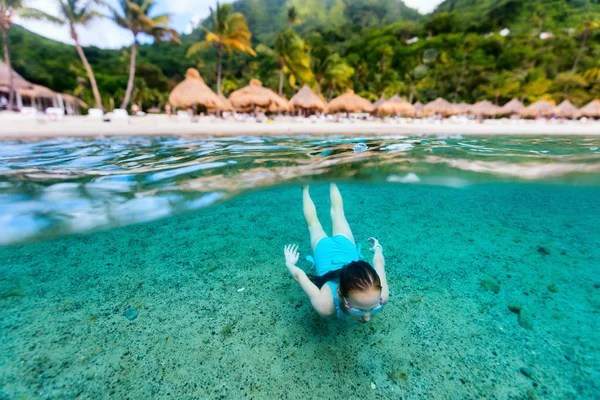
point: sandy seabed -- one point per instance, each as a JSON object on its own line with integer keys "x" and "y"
{"x": 17, "y": 127}
{"x": 201, "y": 305}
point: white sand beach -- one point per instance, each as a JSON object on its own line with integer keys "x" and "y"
{"x": 21, "y": 127}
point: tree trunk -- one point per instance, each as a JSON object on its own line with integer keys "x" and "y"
{"x": 219, "y": 69}
{"x": 129, "y": 90}
{"x": 281, "y": 76}
{"x": 411, "y": 95}
{"x": 586, "y": 36}
{"x": 88, "y": 69}
{"x": 318, "y": 81}
{"x": 11, "y": 84}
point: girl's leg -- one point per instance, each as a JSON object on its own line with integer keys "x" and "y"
{"x": 340, "y": 225}
{"x": 310, "y": 214}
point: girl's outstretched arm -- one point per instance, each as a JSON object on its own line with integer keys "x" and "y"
{"x": 379, "y": 264}
{"x": 322, "y": 303}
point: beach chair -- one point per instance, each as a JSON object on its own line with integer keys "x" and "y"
{"x": 95, "y": 113}
{"x": 183, "y": 115}
{"x": 54, "y": 114}
{"x": 120, "y": 115}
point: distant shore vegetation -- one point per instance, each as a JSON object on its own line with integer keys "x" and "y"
{"x": 465, "y": 51}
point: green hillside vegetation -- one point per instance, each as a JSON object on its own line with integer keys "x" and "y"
{"x": 361, "y": 45}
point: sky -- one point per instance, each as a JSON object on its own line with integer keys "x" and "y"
{"x": 104, "y": 33}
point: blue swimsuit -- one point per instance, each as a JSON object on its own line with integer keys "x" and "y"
{"x": 331, "y": 254}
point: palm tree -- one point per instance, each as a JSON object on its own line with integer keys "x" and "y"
{"x": 134, "y": 15}
{"x": 501, "y": 85}
{"x": 8, "y": 9}
{"x": 593, "y": 74}
{"x": 337, "y": 74}
{"x": 229, "y": 31}
{"x": 80, "y": 12}
{"x": 332, "y": 72}
{"x": 291, "y": 55}
{"x": 588, "y": 26}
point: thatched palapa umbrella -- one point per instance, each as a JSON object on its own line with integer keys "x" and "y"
{"x": 396, "y": 106}
{"x": 592, "y": 109}
{"x": 542, "y": 107}
{"x": 512, "y": 107}
{"x": 256, "y": 97}
{"x": 194, "y": 92}
{"x": 462, "y": 108}
{"x": 379, "y": 102}
{"x": 349, "y": 102}
{"x": 279, "y": 104}
{"x": 306, "y": 99}
{"x": 438, "y": 106}
{"x": 567, "y": 110}
{"x": 419, "y": 109}
{"x": 484, "y": 108}
{"x": 225, "y": 105}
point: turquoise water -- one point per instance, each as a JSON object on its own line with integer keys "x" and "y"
{"x": 153, "y": 268}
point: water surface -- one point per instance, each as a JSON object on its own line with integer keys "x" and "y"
{"x": 59, "y": 186}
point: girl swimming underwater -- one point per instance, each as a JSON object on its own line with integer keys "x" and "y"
{"x": 344, "y": 285}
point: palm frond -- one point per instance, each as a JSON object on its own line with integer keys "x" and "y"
{"x": 197, "y": 47}
{"x": 34, "y": 13}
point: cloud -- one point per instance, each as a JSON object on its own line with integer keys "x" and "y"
{"x": 424, "y": 6}
{"x": 191, "y": 7}
{"x": 100, "y": 32}
{"x": 193, "y": 24}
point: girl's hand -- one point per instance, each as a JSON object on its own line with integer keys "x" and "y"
{"x": 291, "y": 258}
{"x": 374, "y": 243}
{"x": 291, "y": 254}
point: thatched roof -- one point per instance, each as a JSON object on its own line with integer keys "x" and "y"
{"x": 41, "y": 91}
{"x": 193, "y": 91}
{"x": 21, "y": 85}
{"x": 28, "y": 89}
{"x": 18, "y": 81}
{"x": 512, "y": 107}
{"x": 74, "y": 100}
{"x": 484, "y": 107}
{"x": 542, "y": 107}
{"x": 225, "y": 104}
{"x": 462, "y": 108}
{"x": 568, "y": 110}
{"x": 279, "y": 104}
{"x": 396, "y": 106}
{"x": 379, "y": 102}
{"x": 306, "y": 99}
{"x": 418, "y": 106}
{"x": 349, "y": 102}
{"x": 438, "y": 106}
{"x": 592, "y": 109}
{"x": 255, "y": 96}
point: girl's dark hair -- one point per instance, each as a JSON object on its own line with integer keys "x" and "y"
{"x": 354, "y": 277}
